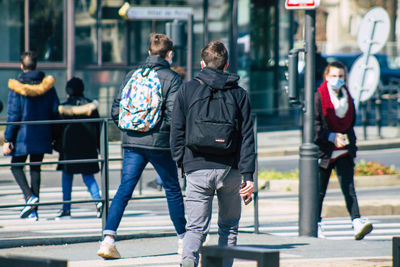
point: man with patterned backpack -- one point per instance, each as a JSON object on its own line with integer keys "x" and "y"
{"x": 142, "y": 109}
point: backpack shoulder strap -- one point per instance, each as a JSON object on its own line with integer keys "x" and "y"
{"x": 198, "y": 92}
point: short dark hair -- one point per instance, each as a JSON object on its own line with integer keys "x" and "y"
{"x": 215, "y": 55}
{"x": 160, "y": 44}
{"x": 335, "y": 64}
{"x": 29, "y": 60}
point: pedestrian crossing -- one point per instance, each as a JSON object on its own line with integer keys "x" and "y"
{"x": 385, "y": 227}
{"x": 152, "y": 216}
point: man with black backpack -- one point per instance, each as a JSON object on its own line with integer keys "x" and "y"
{"x": 212, "y": 139}
{"x": 142, "y": 108}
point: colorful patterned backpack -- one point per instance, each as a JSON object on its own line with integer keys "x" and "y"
{"x": 141, "y": 101}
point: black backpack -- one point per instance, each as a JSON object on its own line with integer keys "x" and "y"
{"x": 211, "y": 121}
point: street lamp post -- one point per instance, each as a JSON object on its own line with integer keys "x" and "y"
{"x": 308, "y": 163}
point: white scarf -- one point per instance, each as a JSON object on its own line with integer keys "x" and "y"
{"x": 341, "y": 105}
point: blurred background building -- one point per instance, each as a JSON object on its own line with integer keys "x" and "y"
{"x": 89, "y": 39}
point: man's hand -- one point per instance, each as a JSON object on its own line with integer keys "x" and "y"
{"x": 6, "y": 148}
{"x": 246, "y": 191}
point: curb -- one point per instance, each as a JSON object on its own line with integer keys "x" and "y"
{"x": 381, "y": 207}
{"x": 46, "y": 241}
{"x": 360, "y": 182}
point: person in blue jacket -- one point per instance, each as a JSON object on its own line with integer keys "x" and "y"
{"x": 32, "y": 97}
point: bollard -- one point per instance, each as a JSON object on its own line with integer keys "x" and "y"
{"x": 396, "y": 251}
{"x": 22, "y": 261}
{"x": 212, "y": 256}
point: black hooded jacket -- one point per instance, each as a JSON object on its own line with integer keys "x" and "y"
{"x": 158, "y": 137}
{"x": 244, "y": 159}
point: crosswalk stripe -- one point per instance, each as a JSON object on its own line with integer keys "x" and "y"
{"x": 337, "y": 229}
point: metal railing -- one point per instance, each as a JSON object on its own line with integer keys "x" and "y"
{"x": 104, "y": 169}
{"x": 103, "y": 160}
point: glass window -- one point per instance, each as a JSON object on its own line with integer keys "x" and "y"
{"x": 46, "y": 32}
{"x": 11, "y": 30}
{"x": 114, "y": 41}
{"x": 85, "y": 32}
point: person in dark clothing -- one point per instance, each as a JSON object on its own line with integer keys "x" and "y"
{"x": 157, "y": 183}
{"x": 334, "y": 134}
{"x": 31, "y": 98}
{"x": 207, "y": 173}
{"x": 141, "y": 147}
{"x": 78, "y": 141}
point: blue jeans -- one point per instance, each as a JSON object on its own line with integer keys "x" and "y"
{"x": 134, "y": 162}
{"x": 88, "y": 179}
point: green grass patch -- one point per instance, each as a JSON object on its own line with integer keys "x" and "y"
{"x": 276, "y": 175}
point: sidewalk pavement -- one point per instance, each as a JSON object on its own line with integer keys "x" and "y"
{"x": 149, "y": 239}
{"x": 19, "y": 233}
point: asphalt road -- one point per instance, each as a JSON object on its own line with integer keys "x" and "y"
{"x": 286, "y": 163}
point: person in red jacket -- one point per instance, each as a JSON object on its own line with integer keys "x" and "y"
{"x": 335, "y": 116}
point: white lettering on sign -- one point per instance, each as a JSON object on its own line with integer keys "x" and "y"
{"x": 159, "y": 13}
{"x": 301, "y": 4}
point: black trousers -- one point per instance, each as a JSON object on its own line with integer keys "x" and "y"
{"x": 20, "y": 178}
{"x": 344, "y": 167}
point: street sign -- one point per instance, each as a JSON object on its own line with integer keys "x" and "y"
{"x": 301, "y": 4}
{"x": 364, "y": 78}
{"x": 154, "y": 12}
{"x": 374, "y": 31}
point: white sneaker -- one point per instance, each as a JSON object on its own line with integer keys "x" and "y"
{"x": 33, "y": 217}
{"x": 361, "y": 227}
{"x": 108, "y": 251}
{"x": 320, "y": 231}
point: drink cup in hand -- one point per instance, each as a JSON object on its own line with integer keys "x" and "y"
{"x": 345, "y": 139}
{"x": 248, "y": 199}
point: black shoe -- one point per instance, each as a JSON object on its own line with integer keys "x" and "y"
{"x": 63, "y": 215}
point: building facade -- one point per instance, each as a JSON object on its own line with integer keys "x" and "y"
{"x": 91, "y": 40}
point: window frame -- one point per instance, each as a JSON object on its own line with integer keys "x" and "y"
{"x": 42, "y": 64}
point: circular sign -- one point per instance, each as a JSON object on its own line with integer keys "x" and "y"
{"x": 364, "y": 78}
{"x": 374, "y": 30}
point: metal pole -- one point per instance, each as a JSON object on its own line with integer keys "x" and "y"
{"x": 70, "y": 39}
{"x": 99, "y": 26}
{"x": 205, "y": 22}
{"x": 189, "y": 62}
{"x": 255, "y": 193}
{"x": 104, "y": 171}
{"x": 233, "y": 36}
{"x": 26, "y": 25}
{"x": 308, "y": 196}
{"x": 398, "y": 116}
{"x": 364, "y": 118}
{"x": 378, "y": 113}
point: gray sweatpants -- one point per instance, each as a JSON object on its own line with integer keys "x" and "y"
{"x": 200, "y": 190}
